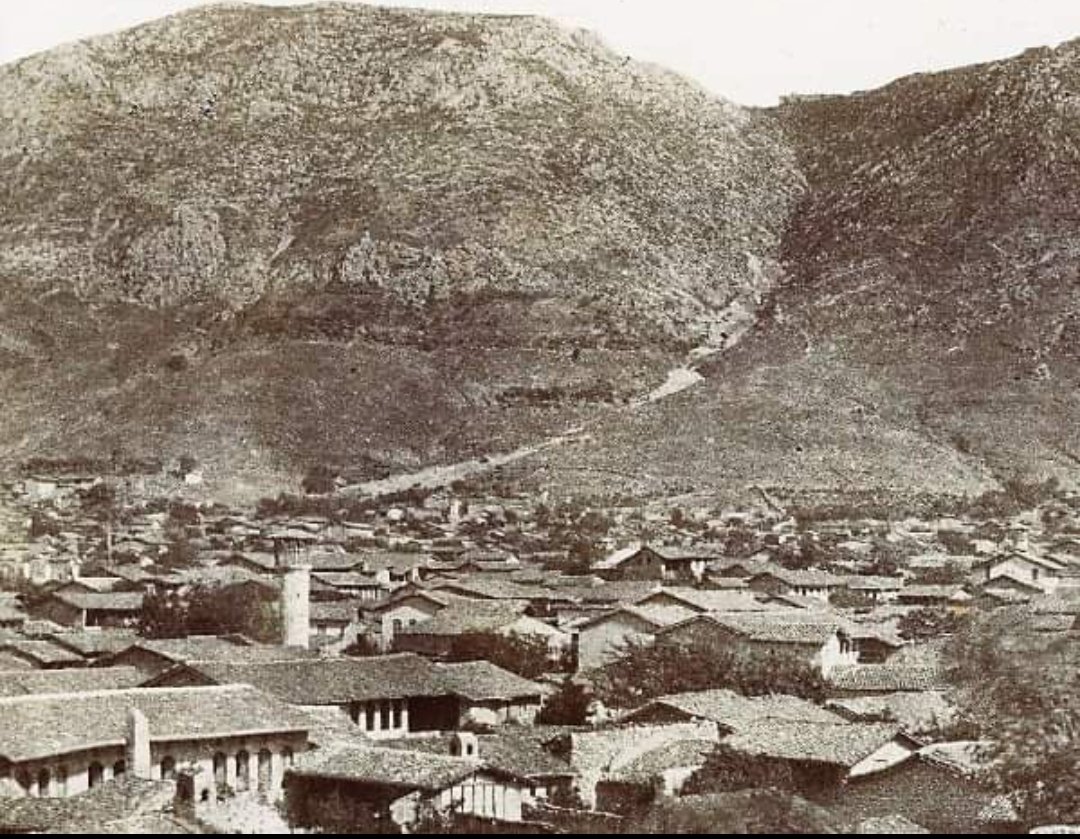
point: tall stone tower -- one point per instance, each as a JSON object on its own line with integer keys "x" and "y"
{"x": 296, "y": 606}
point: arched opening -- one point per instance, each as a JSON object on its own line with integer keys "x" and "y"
{"x": 287, "y": 756}
{"x": 119, "y": 768}
{"x": 94, "y": 774}
{"x": 44, "y": 782}
{"x": 243, "y": 770}
{"x": 168, "y": 768}
{"x": 221, "y": 773}
{"x": 265, "y": 765}
{"x": 61, "y": 781}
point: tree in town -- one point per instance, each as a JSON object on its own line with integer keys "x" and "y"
{"x": 1019, "y": 687}
{"x": 644, "y": 671}
{"x": 526, "y": 655}
{"x": 569, "y": 705}
{"x": 928, "y": 623}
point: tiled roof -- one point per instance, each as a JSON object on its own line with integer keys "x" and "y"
{"x": 786, "y": 626}
{"x": 410, "y": 770}
{"x": 399, "y": 561}
{"x": 916, "y": 712}
{"x": 46, "y": 725}
{"x": 965, "y": 757}
{"x": 41, "y": 652}
{"x": 940, "y": 592}
{"x": 333, "y": 562}
{"x": 331, "y": 681}
{"x": 94, "y": 642}
{"x": 673, "y": 755}
{"x": 498, "y": 588}
{"x": 809, "y": 577}
{"x": 633, "y": 612}
{"x": 217, "y": 648}
{"x": 68, "y": 680}
{"x": 708, "y": 600}
{"x": 841, "y": 745}
{"x": 335, "y": 611}
{"x": 482, "y": 680}
{"x": 113, "y": 601}
{"x": 475, "y": 616}
{"x": 865, "y": 582}
{"x": 735, "y": 711}
{"x": 887, "y": 678}
{"x": 120, "y": 799}
{"x": 518, "y": 750}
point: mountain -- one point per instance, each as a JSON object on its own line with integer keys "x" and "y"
{"x": 270, "y": 238}
{"x": 924, "y": 339}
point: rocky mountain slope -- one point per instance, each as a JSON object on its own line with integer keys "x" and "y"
{"x": 271, "y": 237}
{"x": 267, "y": 235}
{"x": 925, "y": 337}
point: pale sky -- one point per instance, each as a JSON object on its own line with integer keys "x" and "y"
{"x": 751, "y": 51}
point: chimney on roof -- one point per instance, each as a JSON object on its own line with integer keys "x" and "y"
{"x": 138, "y": 744}
{"x": 296, "y": 606}
{"x": 465, "y": 744}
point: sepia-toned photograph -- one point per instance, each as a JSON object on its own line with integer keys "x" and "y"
{"x": 540, "y": 417}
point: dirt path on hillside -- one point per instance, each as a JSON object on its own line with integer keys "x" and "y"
{"x": 678, "y": 379}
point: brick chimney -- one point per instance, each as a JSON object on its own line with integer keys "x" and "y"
{"x": 138, "y": 744}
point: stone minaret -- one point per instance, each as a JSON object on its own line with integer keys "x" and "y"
{"x": 138, "y": 744}
{"x": 296, "y": 606}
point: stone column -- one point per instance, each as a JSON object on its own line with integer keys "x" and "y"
{"x": 230, "y": 770}
{"x": 277, "y": 776}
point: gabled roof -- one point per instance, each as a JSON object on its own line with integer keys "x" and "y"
{"x": 497, "y": 588}
{"x": 650, "y": 622}
{"x": 335, "y": 611}
{"x": 964, "y": 757}
{"x": 94, "y": 642}
{"x": 678, "y": 754}
{"x": 110, "y": 601}
{"x": 48, "y": 725}
{"x": 326, "y": 681}
{"x": 212, "y": 648}
{"x": 735, "y": 711}
{"x": 799, "y": 627}
{"x": 705, "y": 600}
{"x": 409, "y": 770}
{"x": 471, "y": 616}
{"x": 42, "y": 653}
{"x": 479, "y": 681}
{"x": 68, "y": 680}
{"x": 839, "y": 745}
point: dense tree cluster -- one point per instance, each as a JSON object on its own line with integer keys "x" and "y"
{"x": 645, "y": 671}
{"x": 1020, "y": 689}
{"x": 208, "y": 610}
